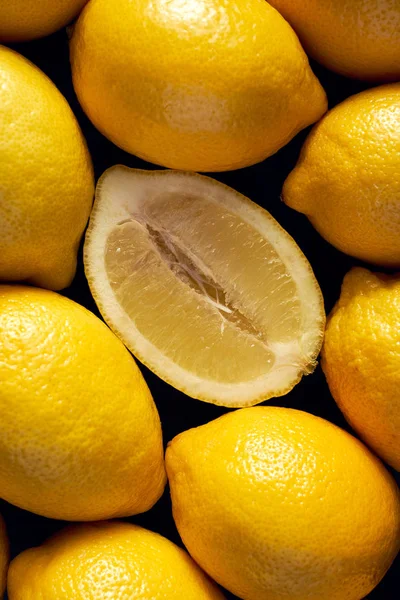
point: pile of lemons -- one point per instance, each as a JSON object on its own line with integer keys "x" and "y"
{"x": 206, "y": 289}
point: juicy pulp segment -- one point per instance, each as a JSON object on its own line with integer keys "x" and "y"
{"x": 205, "y": 288}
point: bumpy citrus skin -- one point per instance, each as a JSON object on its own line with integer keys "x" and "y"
{"x": 81, "y": 437}
{"x": 275, "y": 503}
{"x": 361, "y": 359}
{"x": 108, "y": 560}
{"x": 46, "y": 178}
{"x": 358, "y": 38}
{"x": 22, "y": 20}
{"x": 347, "y": 179}
{"x": 206, "y": 85}
{"x": 4, "y": 556}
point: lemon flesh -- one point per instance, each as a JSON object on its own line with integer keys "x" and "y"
{"x": 202, "y": 285}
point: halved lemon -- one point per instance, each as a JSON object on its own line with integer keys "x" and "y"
{"x": 202, "y": 285}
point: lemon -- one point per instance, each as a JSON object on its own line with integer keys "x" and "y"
{"x": 80, "y": 435}
{"x": 108, "y": 560}
{"x": 360, "y": 38}
{"x": 4, "y": 556}
{"x": 362, "y": 357}
{"x": 22, "y": 20}
{"x": 46, "y": 178}
{"x": 202, "y": 285}
{"x": 347, "y": 180}
{"x": 275, "y": 503}
{"x": 205, "y": 85}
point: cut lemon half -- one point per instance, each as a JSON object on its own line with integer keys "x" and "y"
{"x": 202, "y": 285}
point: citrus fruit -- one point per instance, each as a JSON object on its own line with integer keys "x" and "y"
{"x": 275, "y": 503}
{"x": 4, "y": 556}
{"x": 46, "y": 178}
{"x": 362, "y": 357}
{"x": 108, "y": 560}
{"x": 205, "y": 85}
{"x": 80, "y": 437}
{"x": 347, "y": 180}
{"x": 22, "y": 20}
{"x": 360, "y": 38}
{"x": 202, "y": 285}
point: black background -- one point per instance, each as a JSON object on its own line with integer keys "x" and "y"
{"x": 262, "y": 183}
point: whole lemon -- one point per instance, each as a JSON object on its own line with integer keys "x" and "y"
{"x": 80, "y": 435}
{"x": 205, "y": 85}
{"x": 108, "y": 560}
{"x": 361, "y": 359}
{"x": 275, "y": 503}
{"x": 347, "y": 180}
{"x": 4, "y": 556}
{"x": 358, "y": 38}
{"x": 46, "y": 177}
{"x": 28, "y": 19}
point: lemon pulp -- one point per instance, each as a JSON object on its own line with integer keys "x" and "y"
{"x": 190, "y": 266}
